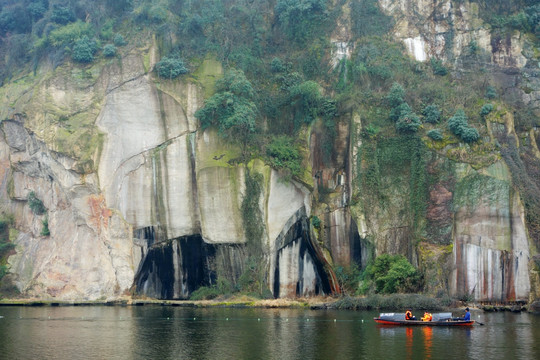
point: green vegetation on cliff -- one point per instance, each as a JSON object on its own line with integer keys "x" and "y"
{"x": 6, "y": 246}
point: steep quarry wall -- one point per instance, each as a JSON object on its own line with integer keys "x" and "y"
{"x": 140, "y": 200}
{"x": 88, "y": 254}
{"x": 453, "y": 31}
{"x": 162, "y": 189}
{"x": 491, "y": 248}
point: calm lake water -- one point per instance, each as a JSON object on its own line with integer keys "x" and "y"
{"x": 159, "y": 332}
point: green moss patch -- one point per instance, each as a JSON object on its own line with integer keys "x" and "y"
{"x": 207, "y": 74}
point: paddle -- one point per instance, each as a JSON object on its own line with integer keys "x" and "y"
{"x": 480, "y": 323}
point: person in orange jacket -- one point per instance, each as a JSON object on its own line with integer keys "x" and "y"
{"x": 427, "y": 317}
{"x": 409, "y": 315}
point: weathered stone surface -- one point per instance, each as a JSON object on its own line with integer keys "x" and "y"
{"x": 82, "y": 259}
{"x": 174, "y": 269}
{"x": 296, "y": 269}
{"x": 444, "y": 29}
{"x": 491, "y": 247}
{"x": 15, "y": 135}
{"x": 343, "y": 239}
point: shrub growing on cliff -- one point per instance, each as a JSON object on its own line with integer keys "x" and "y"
{"x": 276, "y": 65}
{"x": 231, "y": 109}
{"x": 222, "y": 287}
{"x": 432, "y": 114}
{"x": 171, "y": 67}
{"x": 45, "y": 227}
{"x": 470, "y": 135}
{"x": 438, "y": 67}
{"x": 389, "y": 274}
{"x": 35, "y": 204}
{"x": 408, "y": 122}
{"x": 458, "y": 126}
{"x": 316, "y": 222}
{"x": 491, "y": 92}
{"x": 69, "y": 34}
{"x": 435, "y": 134}
{"x": 109, "y": 50}
{"x": 486, "y": 109}
{"x": 396, "y": 95}
{"x": 252, "y": 281}
{"x": 299, "y": 19}
{"x": 348, "y": 278}
{"x": 368, "y": 19}
{"x": 5, "y": 245}
{"x": 457, "y": 123}
{"x": 62, "y": 14}
{"x": 205, "y": 293}
{"x": 84, "y": 50}
{"x": 399, "y": 111}
{"x": 36, "y": 9}
{"x": 284, "y": 154}
{"x": 305, "y": 99}
{"x": 119, "y": 40}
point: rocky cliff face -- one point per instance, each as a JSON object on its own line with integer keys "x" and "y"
{"x": 159, "y": 179}
{"x": 476, "y": 211}
{"x": 140, "y": 200}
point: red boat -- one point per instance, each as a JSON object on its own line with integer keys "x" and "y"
{"x": 439, "y": 319}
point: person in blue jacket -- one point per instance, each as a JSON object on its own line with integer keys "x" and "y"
{"x": 467, "y": 314}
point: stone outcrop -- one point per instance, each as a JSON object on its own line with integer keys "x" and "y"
{"x": 88, "y": 254}
{"x": 491, "y": 250}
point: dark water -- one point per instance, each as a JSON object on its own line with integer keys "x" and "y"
{"x": 156, "y": 332}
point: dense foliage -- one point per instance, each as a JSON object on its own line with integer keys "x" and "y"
{"x": 284, "y": 154}
{"x": 171, "y": 67}
{"x": 6, "y": 246}
{"x": 435, "y": 134}
{"x": 35, "y": 204}
{"x": 232, "y": 109}
{"x": 300, "y": 19}
{"x": 109, "y": 50}
{"x": 458, "y": 125}
{"x": 389, "y": 274}
{"x": 432, "y": 114}
{"x": 84, "y": 50}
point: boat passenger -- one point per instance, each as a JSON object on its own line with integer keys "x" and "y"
{"x": 409, "y": 315}
{"x": 467, "y": 316}
{"x": 427, "y": 317}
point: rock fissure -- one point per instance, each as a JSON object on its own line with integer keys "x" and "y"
{"x": 148, "y": 150}
{"x": 109, "y": 91}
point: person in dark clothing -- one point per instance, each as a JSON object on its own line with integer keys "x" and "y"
{"x": 409, "y": 315}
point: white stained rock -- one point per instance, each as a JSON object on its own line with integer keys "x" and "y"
{"x": 341, "y": 51}
{"x": 179, "y": 199}
{"x": 296, "y": 268}
{"x": 220, "y": 199}
{"x": 417, "y": 48}
{"x": 284, "y": 200}
{"x": 131, "y": 121}
{"x": 491, "y": 251}
{"x": 339, "y": 236}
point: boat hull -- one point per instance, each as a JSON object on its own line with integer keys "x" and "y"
{"x": 424, "y": 323}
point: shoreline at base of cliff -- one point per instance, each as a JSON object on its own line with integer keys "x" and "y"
{"x": 394, "y": 302}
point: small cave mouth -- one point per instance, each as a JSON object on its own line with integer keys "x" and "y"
{"x": 173, "y": 269}
{"x": 298, "y": 270}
